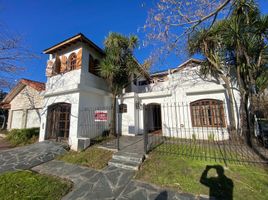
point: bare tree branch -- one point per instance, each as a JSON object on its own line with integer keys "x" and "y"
{"x": 170, "y": 22}
{"x": 13, "y": 54}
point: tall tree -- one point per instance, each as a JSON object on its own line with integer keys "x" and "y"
{"x": 118, "y": 66}
{"x": 245, "y": 36}
{"x": 210, "y": 44}
{"x": 240, "y": 42}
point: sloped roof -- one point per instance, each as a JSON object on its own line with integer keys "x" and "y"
{"x": 77, "y": 38}
{"x": 39, "y": 86}
{"x": 180, "y": 67}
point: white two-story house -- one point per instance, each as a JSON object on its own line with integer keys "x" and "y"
{"x": 175, "y": 103}
{"x": 72, "y": 86}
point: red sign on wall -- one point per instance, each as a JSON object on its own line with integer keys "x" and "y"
{"x": 101, "y": 115}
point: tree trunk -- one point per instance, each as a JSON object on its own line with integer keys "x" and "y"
{"x": 231, "y": 102}
{"x": 245, "y": 118}
{"x": 113, "y": 121}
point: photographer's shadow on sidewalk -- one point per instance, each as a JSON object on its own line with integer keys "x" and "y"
{"x": 220, "y": 187}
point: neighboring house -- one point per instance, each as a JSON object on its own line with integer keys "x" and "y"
{"x": 24, "y": 103}
{"x": 175, "y": 100}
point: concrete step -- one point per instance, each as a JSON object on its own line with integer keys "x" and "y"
{"x": 138, "y": 158}
{"x": 130, "y": 165}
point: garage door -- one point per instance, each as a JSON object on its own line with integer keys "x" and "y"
{"x": 33, "y": 118}
{"x": 16, "y": 119}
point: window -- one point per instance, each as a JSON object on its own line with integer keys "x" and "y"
{"x": 122, "y": 108}
{"x": 145, "y": 82}
{"x": 207, "y": 113}
{"x": 93, "y": 65}
{"x": 135, "y": 79}
{"x": 72, "y": 61}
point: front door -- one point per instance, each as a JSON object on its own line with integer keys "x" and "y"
{"x": 58, "y": 121}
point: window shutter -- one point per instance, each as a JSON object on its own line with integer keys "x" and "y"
{"x": 63, "y": 66}
{"x": 79, "y": 59}
{"x": 56, "y": 65}
{"x": 49, "y": 68}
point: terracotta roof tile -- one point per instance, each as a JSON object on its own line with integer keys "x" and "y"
{"x": 34, "y": 84}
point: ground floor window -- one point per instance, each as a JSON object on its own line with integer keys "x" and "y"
{"x": 207, "y": 113}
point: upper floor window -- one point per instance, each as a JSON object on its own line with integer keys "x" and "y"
{"x": 93, "y": 65}
{"x": 144, "y": 82}
{"x": 72, "y": 61}
{"x": 135, "y": 79}
{"x": 207, "y": 113}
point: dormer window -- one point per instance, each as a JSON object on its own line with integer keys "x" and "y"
{"x": 72, "y": 61}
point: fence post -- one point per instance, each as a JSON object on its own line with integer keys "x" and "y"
{"x": 145, "y": 135}
{"x": 117, "y": 135}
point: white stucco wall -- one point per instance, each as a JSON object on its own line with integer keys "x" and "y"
{"x": 88, "y": 104}
{"x": 175, "y": 95}
{"x": 73, "y": 99}
{"x": 81, "y": 89}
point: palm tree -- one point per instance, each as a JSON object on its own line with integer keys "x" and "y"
{"x": 245, "y": 37}
{"x": 118, "y": 66}
{"x": 210, "y": 44}
{"x": 241, "y": 42}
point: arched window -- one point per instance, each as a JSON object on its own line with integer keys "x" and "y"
{"x": 72, "y": 61}
{"x": 207, "y": 113}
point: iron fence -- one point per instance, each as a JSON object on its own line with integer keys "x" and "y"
{"x": 202, "y": 130}
{"x": 95, "y": 123}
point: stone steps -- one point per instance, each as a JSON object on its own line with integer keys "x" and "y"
{"x": 126, "y": 160}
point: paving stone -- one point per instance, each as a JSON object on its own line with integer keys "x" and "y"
{"x": 29, "y": 156}
{"x": 140, "y": 190}
{"x": 110, "y": 183}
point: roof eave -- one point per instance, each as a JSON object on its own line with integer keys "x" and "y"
{"x": 79, "y": 37}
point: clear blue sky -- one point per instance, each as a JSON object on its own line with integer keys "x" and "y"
{"x": 44, "y": 23}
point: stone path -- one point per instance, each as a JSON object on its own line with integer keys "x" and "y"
{"x": 29, "y": 156}
{"x": 89, "y": 183}
{"x": 127, "y": 144}
{"x": 111, "y": 183}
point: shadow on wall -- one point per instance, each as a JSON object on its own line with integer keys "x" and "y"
{"x": 220, "y": 187}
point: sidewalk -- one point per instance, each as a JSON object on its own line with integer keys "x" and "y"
{"x": 110, "y": 183}
{"x": 29, "y": 156}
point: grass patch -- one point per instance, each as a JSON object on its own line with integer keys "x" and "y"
{"x": 20, "y": 137}
{"x": 92, "y": 157}
{"x": 101, "y": 139}
{"x": 30, "y": 185}
{"x": 208, "y": 151}
{"x": 183, "y": 174}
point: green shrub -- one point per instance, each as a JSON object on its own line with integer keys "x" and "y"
{"x": 18, "y": 137}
